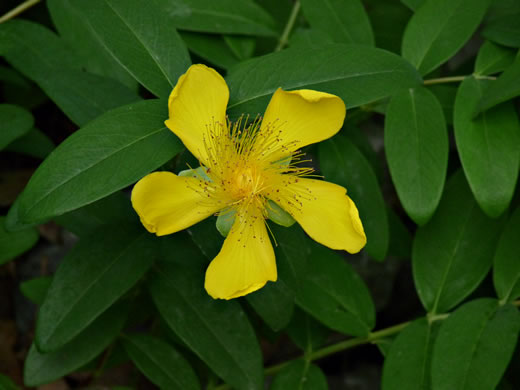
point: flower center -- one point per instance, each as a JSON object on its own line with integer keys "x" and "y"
{"x": 247, "y": 181}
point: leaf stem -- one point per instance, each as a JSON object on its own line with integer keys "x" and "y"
{"x": 455, "y": 79}
{"x": 18, "y": 10}
{"x": 289, "y": 26}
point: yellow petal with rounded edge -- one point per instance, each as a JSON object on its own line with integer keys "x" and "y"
{"x": 246, "y": 261}
{"x": 198, "y": 100}
{"x": 323, "y": 210}
{"x": 294, "y": 119}
{"x": 167, "y": 203}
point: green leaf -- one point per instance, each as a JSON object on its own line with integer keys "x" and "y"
{"x": 75, "y": 31}
{"x": 416, "y": 147}
{"x": 217, "y": 331}
{"x": 344, "y": 21}
{"x": 439, "y": 29}
{"x": 36, "y": 289}
{"x": 223, "y": 16}
{"x": 453, "y": 252}
{"x": 93, "y": 275}
{"x": 42, "y": 57}
{"x": 333, "y": 293}
{"x": 13, "y": 244}
{"x": 389, "y": 19}
{"x": 242, "y": 47}
{"x": 300, "y": 375}
{"x": 400, "y": 238}
{"x": 505, "y": 87}
{"x": 342, "y": 163}
{"x": 306, "y": 37}
{"x": 160, "y": 362}
{"x": 357, "y": 74}
{"x": 108, "y": 154}
{"x": 274, "y": 303}
{"x": 506, "y": 264}
{"x": 445, "y": 94}
{"x": 34, "y": 143}
{"x": 474, "y": 346}
{"x": 140, "y": 37}
{"x": 41, "y": 368}
{"x": 504, "y": 31}
{"x": 493, "y": 58}
{"x": 407, "y": 363}
{"x": 414, "y": 5}
{"x": 6, "y": 383}
{"x": 14, "y": 123}
{"x": 225, "y": 221}
{"x": 488, "y": 146}
{"x": 114, "y": 209}
{"x": 306, "y": 332}
{"x": 212, "y": 48}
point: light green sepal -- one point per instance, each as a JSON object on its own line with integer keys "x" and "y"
{"x": 279, "y": 215}
{"x": 225, "y": 222}
{"x": 198, "y": 173}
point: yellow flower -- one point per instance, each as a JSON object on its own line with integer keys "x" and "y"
{"x": 244, "y": 166}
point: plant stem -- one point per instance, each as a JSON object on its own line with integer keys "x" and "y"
{"x": 455, "y": 79}
{"x": 289, "y": 26}
{"x": 18, "y": 10}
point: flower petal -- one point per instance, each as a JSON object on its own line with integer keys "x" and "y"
{"x": 246, "y": 261}
{"x": 167, "y": 203}
{"x": 323, "y": 210}
{"x": 198, "y": 101}
{"x": 294, "y": 119}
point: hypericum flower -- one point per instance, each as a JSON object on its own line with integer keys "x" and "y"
{"x": 244, "y": 166}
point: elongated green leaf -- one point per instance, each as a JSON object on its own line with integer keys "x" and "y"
{"x": 307, "y": 37}
{"x": 416, "y": 147}
{"x": 344, "y": 21}
{"x": 493, "y": 58}
{"x": 112, "y": 210}
{"x": 300, "y": 375}
{"x": 13, "y": 244}
{"x": 41, "y": 368}
{"x": 223, "y": 16}
{"x": 506, "y": 267}
{"x": 36, "y": 289}
{"x": 358, "y": 74}
{"x": 14, "y": 123}
{"x": 34, "y": 143}
{"x": 141, "y": 38}
{"x": 97, "y": 272}
{"x": 110, "y": 153}
{"x": 342, "y": 163}
{"x": 506, "y": 87}
{"x": 400, "y": 237}
{"x": 212, "y": 48}
{"x": 160, "y": 362}
{"x": 504, "y": 31}
{"x": 242, "y": 47}
{"x": 446, "y": 96}
{"x": 335, "y": 295}
{"x": 439, "y": 29}
{"x": 389, "y": 19}
{"x": 453, "y": 252}
{"x": 274, "y": 303}
{"x": 489, "y": 147}
{"x": 306, "y": 332}
{"x": 74, "y": 29}
{"x": 407, "y": 364}
{"x": 217, "y": 331}
{"x": 474, "y": 346}
{"x": 41, "y": 56}
{"x": 414, "y": 5}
